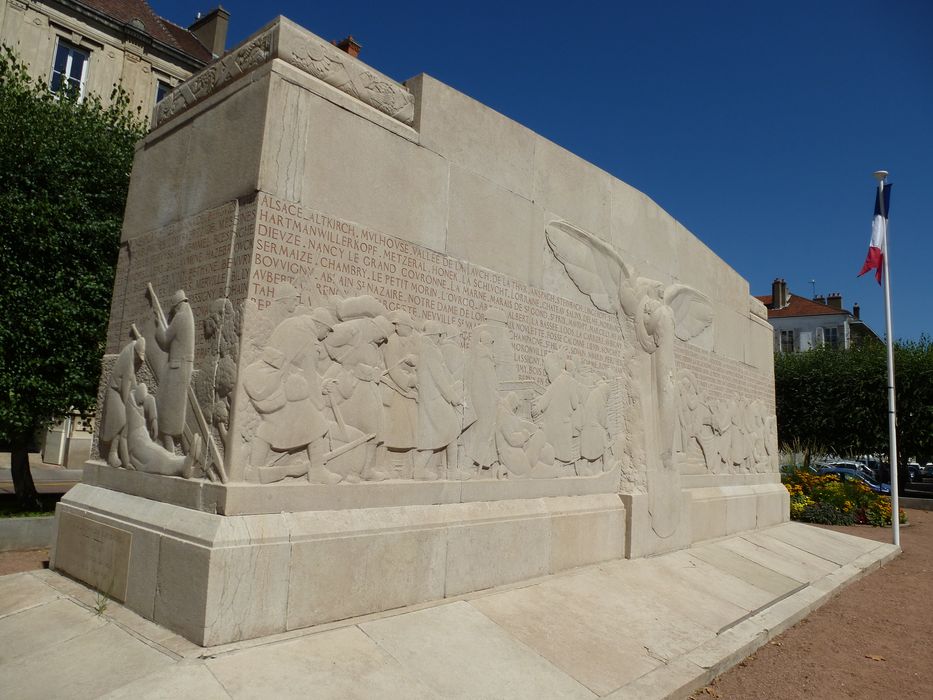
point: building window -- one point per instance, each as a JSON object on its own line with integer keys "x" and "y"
{"x": 831, "y": 336}
{"x": 787, "y": 341}
{"x": 70, "y": 68}
{"x": 162, "y": 89}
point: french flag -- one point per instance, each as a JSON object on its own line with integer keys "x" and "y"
{"x": 879, "y": 230}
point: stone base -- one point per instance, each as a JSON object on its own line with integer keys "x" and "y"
{"x": 217, "y": 579}
{"x": 656, "y": 627}
{"x": 297, "y": 495}
{"x": 707, "y": 513}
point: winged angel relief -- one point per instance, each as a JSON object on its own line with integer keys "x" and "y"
{"x": 660, "y": 314}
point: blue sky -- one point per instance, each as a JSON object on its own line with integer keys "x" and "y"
{"x": 758, "y": 125}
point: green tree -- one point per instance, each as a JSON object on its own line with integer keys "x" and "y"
{"x": 837, "y": 400}
{"x": 65, "y": 165}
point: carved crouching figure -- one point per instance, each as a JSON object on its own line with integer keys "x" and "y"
{"x": 281, "y": 396}
{"x": 145, "y": 454}
{"x": 113, "y": 416}
{"x": 522, "y": 447}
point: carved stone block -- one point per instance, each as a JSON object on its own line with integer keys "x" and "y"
{"x": 361, "y": 357}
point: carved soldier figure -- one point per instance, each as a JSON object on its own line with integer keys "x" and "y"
{"x": 221, "y": 330}
{"x": 594, "y": 435}
{"x": 496, "y": 324}
{"x": 285, "y": 302}
{"x": 438, "y": 396}
{"x": 557, "y": 406}
{"x": 399, "y": 384}
{"x": 176, "y": 339}
{"x": 113, "y": 416}
{"x": 353, "y": 384}
{"x": 482, "y": 385}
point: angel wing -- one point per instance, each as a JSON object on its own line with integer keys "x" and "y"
{"x": 693, "y": 312}
{"x": 592, "y": 264}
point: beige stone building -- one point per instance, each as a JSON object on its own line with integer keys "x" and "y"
{"x": 96, "y": 44}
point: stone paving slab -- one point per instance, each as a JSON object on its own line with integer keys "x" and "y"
{"x": 22, "y": 591}
{"x": 644, "y": 628}
{"x": 341, "y": 663}
{"x": 183, "y": 680}
{"x": 575, "y": 622}
{"x": 461, "y": 653}
{"x": 44, "y": 626}
{"x": 87, "y": 665}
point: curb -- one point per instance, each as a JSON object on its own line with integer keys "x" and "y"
{"x": 26, "y": 533}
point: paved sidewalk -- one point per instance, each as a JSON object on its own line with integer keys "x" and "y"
{"x": 656, "y": 627}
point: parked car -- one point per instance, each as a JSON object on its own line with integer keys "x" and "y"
{"x": 872, "y": 465}
{"x": 914, "y": 471}
{"x": 847, "y": 474}
{"x": 928, "y": 470}
{"x": 857, "y": 465}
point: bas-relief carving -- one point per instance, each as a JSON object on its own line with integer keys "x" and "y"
{"x": 660, "y": 314}
{"x": 119, "y": 385}
{"x": 725, "y": 436}
{"x": 175, "y": 337}
{"x": 351, "y": 392}
{"x": 340, "y": 70}
{"x": 304, "y": 51}
{"x": 221, "y": 330}
{"x": 413, "y": 381}
{"x": 167, "y": 433}
{"x": 239, "y": 61}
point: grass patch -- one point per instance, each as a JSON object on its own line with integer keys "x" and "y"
{"x": 10, "y": 509}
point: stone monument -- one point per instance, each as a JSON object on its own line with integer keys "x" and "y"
{"x": 373, "y": 344}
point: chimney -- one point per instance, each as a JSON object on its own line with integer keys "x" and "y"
{"x": 349, "y": 45}
{"x": 856, "y": 311}
{"x": 778, "y": 293}
{"x": 834, "y": 300}
{"x": 819, "y": 299}
{"x": 211, "y": 30}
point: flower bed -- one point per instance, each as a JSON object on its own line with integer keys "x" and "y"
{"x": 827, "y": 500}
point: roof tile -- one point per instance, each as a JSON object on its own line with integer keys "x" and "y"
{"x": 800, "y": 306}
{"x": 126, "y": 11}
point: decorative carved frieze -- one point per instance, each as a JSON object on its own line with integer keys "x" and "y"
{"x": 304, "y": 51}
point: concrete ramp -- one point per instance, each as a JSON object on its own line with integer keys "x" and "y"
{"x": 656, "y": 627}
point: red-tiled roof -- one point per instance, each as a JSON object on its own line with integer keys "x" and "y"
{"x": 126, "y": 11}
{"x": 800, "y": 306}
{"x": 187, "y": 41}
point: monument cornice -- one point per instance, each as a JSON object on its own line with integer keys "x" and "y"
{"x": 308, "y": 53}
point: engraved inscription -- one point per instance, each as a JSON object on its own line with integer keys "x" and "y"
{"x": 331, "y": 257}
{"x": 95, "y": 553}
{"x": 193, "y": 254}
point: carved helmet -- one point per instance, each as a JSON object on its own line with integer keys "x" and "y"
{"x": 179, "y": 297}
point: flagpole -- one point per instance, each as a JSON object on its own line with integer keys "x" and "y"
{"x": 892, "y": 411}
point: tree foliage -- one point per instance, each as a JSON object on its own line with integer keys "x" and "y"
{"x": 64, "y": 167}
{"x": 837, "y": 400}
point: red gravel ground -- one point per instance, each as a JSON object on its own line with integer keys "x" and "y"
{"x": 26, "y": 560}
{"x": 872, "y": 640}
